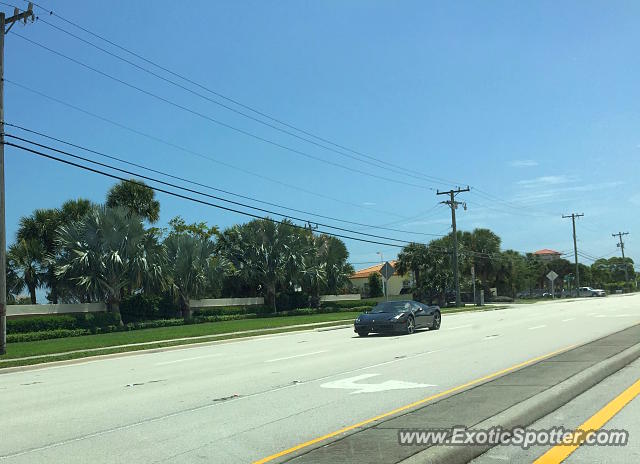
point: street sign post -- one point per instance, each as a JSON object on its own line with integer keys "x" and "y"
{"x": 552, "y": 276}
{"x": 387, "y": 271}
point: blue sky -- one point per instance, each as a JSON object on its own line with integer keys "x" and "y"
{"x": 534, "y": 104}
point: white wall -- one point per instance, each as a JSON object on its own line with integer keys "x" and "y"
{"x": 24, "y": 310}
{"x": 41, "y": 309}
{"x": 209, "y": 303}
{"x": 348, "y": 297}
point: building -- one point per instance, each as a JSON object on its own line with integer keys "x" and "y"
{"x": 547, "y": 255}
{"x": 395, "y": 284}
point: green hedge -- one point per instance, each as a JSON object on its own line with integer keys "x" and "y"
{"x": 61, "y": 322}
{"x": 45, "y": 335}
{"x": 231, "y": 310}
{"x": 142, "y": 307}
{"x": 98, "y": 323}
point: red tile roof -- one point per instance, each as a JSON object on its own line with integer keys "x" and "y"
{"x": 546, "y": 251}
{"x": 367, "y": 271}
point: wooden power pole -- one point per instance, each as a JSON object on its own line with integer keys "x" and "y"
{"x": 453, "y": 204}
{"x": 573, "y": 217}
{"x": 621, "y": 246}
{"x": 4, "y": 22}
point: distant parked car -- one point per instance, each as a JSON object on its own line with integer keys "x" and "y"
{"x": 398, "y": 317}
{"x": 588, "y": 291}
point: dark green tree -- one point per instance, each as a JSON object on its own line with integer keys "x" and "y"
{"x": 136, "y": 197}
{"x": 375, "y": 285}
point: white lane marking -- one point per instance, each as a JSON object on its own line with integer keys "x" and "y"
{"x": 616, "y": 315}
{"x": 570, "y": 319}
{"x": 350, "y": 384}
{"x": 537, "y": 327}
{"x": 164, "y": 363}
{"x": 459, "y": 327}
{"x": 295, "y": 356}
{"x": 200, "y": 408}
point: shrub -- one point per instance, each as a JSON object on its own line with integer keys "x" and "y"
{"x": 41, "y": 324}
{"x": 221, "y": 310}
{"x": 375, "y": 285}
{"x": 94, "y": 320}
{"x": 139, "y": 307}
{"x": 45, "y": 335}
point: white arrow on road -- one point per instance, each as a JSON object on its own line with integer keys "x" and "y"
{"x": 350, "y": 384}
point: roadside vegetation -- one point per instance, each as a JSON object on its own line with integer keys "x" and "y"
{"x": 147, "y": 276}
{"x": 511, "y": 273}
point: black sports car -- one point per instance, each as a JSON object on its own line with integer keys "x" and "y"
{"x": 398, "y": 317}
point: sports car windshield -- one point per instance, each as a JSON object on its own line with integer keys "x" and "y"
{"x": 391, "y": 307}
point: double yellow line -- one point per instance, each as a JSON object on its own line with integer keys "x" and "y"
{"x": 560, "y": 452}
{"x": 408, "y": 406}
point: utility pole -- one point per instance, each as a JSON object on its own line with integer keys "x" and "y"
{"x": 453, "y": 204}
{"x": 4, "y": 22}
{"x": 384, "y": 284}
{"x": 621, "y": 246}
{"x": 573, "y": 217}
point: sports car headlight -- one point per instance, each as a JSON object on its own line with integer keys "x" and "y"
{"x": 397, "y": 317}
{"x": 358, "y": 319}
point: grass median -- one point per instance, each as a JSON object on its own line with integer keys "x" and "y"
{"x": 159, "y": 337}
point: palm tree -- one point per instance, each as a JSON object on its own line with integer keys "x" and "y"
{"x": 108, "y": 251}
{"x": 41, "y": 227}
{"x": 268, "y": 254}
{"x": 136, "y": 197}
{"x": 412, "y": 258}
{"x": 15, "y": 283}
{"x": 25, "y": 257}
{"x": 333, "y": 253}
{"x": 192, "y": 267}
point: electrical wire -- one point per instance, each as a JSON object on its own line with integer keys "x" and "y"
{"x": 217, "y": 121}
{"x": 196, "y": 200}
{"x": 125, "y": 171}
{"x": 190, "y": 151}
{"x": 115, "y": 158}
{"x": 217, "y": 94}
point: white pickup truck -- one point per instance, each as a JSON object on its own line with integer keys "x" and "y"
{"x": 588, "y": 291}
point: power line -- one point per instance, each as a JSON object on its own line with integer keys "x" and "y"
{"x": 188, "y": 150}
{"x": 378, "y": 163}
{"x": 218, "y": 94}
{"x": 216, "y": 121}
{"x": 115, "y": 158}
{"x": 191, "y": 190}
{"x": 185, "y": 197}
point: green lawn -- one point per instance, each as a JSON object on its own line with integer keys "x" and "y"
{"x": 61, "y": 345}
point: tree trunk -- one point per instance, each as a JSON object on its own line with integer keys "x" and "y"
{"x": 32, "y": 294}
{"x": 186, "y": 308}
{"x": 271, "y": 296}
{"x": 115, "y": 309}
{"x": 54, "y": 292}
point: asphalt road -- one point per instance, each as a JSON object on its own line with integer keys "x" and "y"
{"x": 245, "y": 400}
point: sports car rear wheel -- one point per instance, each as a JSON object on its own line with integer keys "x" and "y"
{"x": 437, "y": 320}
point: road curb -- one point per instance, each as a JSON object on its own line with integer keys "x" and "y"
{"x": 259, "y": 333}
{"x": 530, "y": 410}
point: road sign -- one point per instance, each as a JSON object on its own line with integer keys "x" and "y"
{"x": 387, "y": 270}
{"x": 552, "y": 276}
{"x": 351, "y": 384}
